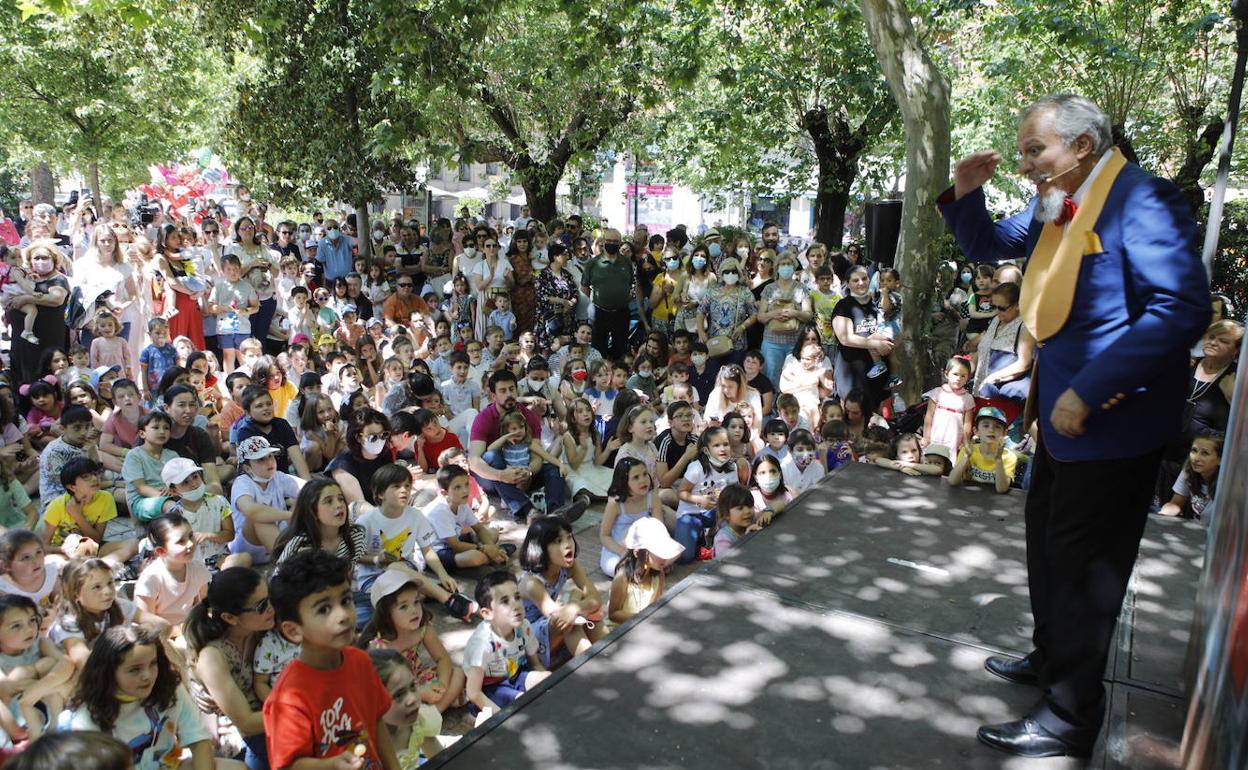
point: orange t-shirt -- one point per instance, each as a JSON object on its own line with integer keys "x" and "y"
{"x": 399, "y": 311}
{"x": 316, "y": 714}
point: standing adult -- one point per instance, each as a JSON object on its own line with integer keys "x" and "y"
{"x": 492, "y": 275}
{"x": 556, "y": 307}
{"x": 515, "y": 484}
{"x": 52, "y": 289}
{"x": 854, "y": 320}
{"x": 1115, "y": 296}
{"x": 523, "y": 289}
{"x": 334, "y": 251}
{"x": 177, "y": 261}
{"x": 260, "y": 269}
{"x": 727, "y": 312}
{"x": 609, "y": 282}
{"x": 783, "y": 306}
{"x": 103, "y": 274}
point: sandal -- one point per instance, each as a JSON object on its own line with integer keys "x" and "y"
{"x": 462, "y": 607}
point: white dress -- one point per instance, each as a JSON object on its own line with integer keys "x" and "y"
{"x": 589, "y": 476}
{"x": 498, "y": 281}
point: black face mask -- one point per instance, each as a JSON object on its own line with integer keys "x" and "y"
{"x": 611, "y": 248}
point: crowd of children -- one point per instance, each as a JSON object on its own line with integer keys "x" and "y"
{"x": 230, "y": 562}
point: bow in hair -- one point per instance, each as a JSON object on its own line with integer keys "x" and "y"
{"x": 25, "y": 389}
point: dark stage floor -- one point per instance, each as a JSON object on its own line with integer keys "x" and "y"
{"x": 850, "y": 634}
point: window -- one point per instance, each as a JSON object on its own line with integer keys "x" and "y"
{"x": 435, "y": 170}
{"x": 465, "y": 172}
{"x": 491, "y": 169}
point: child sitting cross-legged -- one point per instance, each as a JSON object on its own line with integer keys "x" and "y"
{"x": 986, "y": 460}
{"x": 402, "y": 623}
{"x": 212, "y": 526}
{"x": 399, "y": 538}
{"x": 501, "y": 659}
{"x": 463, "y": 541}
{"x": 560, "y": 601}
{"x": 329, "y": 703}
{"x": 83, "y": 521}
{"x": 736, "y": 517}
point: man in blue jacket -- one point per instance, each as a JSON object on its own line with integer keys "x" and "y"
{"x": 1115, "y": 295}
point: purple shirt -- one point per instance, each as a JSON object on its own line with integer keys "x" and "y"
{"x": 485, "y": 426}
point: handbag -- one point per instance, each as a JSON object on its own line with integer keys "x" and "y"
{"x": 783, "y": 326}
{"x": 720, "y": 344}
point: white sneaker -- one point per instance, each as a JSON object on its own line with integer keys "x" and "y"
{"x": 30, "y": 337}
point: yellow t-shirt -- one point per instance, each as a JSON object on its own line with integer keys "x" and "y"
{"x": 101, "y": 509}
{"x": 982, "y": 470}
{"x": 823, "y": 305}
{"x": 282, "y": 398}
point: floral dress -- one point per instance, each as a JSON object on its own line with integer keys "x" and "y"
{"x": 725, "y": 310}
{"x": 553, "y": 320}
{"x": 523, "y": 292}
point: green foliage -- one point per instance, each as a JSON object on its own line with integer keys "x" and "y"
{"x": 98, "y": 83}
{"x": 1230, "y": 262}
{"x": 14, "y": 184}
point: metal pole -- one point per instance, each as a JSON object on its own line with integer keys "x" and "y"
{"x": 1214, "y": 224}
{"x": 636, "y": 190}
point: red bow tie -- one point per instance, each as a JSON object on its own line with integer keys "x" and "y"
{"x": 1069, "y": 207}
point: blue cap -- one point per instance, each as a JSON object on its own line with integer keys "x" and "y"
{"x": 992, "y": 413}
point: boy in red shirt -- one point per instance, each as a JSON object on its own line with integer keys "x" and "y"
{"x": 433, "y": 440}
{"x": 326, "y": 709}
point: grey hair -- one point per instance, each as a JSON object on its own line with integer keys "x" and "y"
{"x": 1074, "y": 116}
{"x": 44, "y": 208}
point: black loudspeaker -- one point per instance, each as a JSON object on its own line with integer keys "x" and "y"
{"x": 883, "y": 230}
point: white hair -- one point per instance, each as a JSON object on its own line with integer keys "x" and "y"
{"x": 1074, "y": 116}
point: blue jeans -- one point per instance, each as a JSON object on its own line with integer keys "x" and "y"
{"x": 773, "y": 359}
{"x": 689, "y": 530}
{"x": 517, "y": 499}
{"x": 255, "y": 752}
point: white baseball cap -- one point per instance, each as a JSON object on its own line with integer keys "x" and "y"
{"x": 254, "y": 448}
{"x": 389, "y": 582}
{"x": 177, "y": 471}
{"x": 649, "y": 533}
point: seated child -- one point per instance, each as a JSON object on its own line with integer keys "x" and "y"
{"x": 30, "y": 666}
{"x": 262, "y": 498}
{"x": 401, "y": 622}
{"x": 631, "y": 497}
{"x": 413, "y": 724}
{"x": 83, "y": 521}
{"x": 27, "y": 570}
{"x": 641, "y": 573}
{"x": 78, "y": 439}
{"x": 560, "y": 601}
{"x": 516, "y": 448}
{"x": 398, "y": 537}
{"x": 906, "y": 455}
{"x": 143, "y": 466}
{"x": 771, "y": 494}
{"x": 790, "y": 411}
{"x": 463, "y": 541}
{"x": 806, "y": 469}
{"x": 121, "y": 429}
{"x": 986, "y": 460}
{"x": 1197, "y": 485}
{"x": 502, "y": 659}
{"x": 876, "y": 440}
{"x": 208, "y": 515}
{"x": 838, "y": 449}
{"x": 90, "y": 605}
{"x": 699, "y": 491}
{"x": 173, "y": 581}
{"x": 112, "y": 698}
{"x": 938, "y": 455}
{"x": 736, "y": 517}
{"x": 329, "y": 701}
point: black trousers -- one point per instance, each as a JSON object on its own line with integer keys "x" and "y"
{"x": 1084, "y": 524}
{"x": 611, "y": 332}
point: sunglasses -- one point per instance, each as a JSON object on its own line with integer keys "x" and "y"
{"x": 1002, "y": 308}
{"x": 245, "y": 227}
{"x": 211, "y": 232}
{"x": 491, "y": 246}
{"x": 285, "y": 232}
{"x": 406, "y": 285}
{"x": 261, "y": 607}
{"x": 383, "y": 436}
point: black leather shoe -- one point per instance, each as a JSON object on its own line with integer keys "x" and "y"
{"x": 1027, "y": 738}
{"x": 1016, "y": 670}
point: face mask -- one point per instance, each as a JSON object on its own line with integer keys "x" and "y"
{"x": 804, "y": 456}
{"x": 769, "y": 484}
{"x": 260, "y": 479}
{"x": 535, "y": 385}
{"x": 611, "y": 248}
{"x": 785, "y": 272}
{"x": 373, "y": 445}
{"x": 470, "y": 251}
{"x": 580, "y": 375}
{"x": 731, "y": 279}
{"x": 195, "y": 494}
{"x": 334, "y": 233}
{"x": 743, "y": 251}
{"x": 378, "y": 235}
{"x": 966, "y": 277}
{"x": 646, "y": 374}
{"x": 699, "y": 262}
{"x": 699, "y": 359}
{"x": 672, "y": 264}
{"x": 713, "y": 249}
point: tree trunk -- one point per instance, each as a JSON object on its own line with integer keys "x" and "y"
{"x": 922, "y": 94}
{"x": 539, "y": 192}
{"x": 93, "y": 177}
{"x": 1122, "y": 140}
{"x": 42, "y": 185}
{"x": 364, "y": 232}
{"x": 1200, "y": 150}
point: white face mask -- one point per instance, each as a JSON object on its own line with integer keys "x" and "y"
{"x": 195, "y": 494}
{"x": 469, "y": 251}
{"x": 731, "y": 279}
{"x": 378, "y": 235}
{"x": 373, "y": 445}
{"x": 259, "y": 478}
{"x": 743, "y": 251}
{"x": 769, "y": 484}
{"x": 698, "y": 360}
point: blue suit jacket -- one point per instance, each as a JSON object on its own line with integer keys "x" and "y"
{"x": 1138, "y": 308}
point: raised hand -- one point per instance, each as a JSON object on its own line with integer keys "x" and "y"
{"x": 973, "y": 171}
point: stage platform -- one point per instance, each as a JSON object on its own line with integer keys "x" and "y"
{"x": 850, "y": 634}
